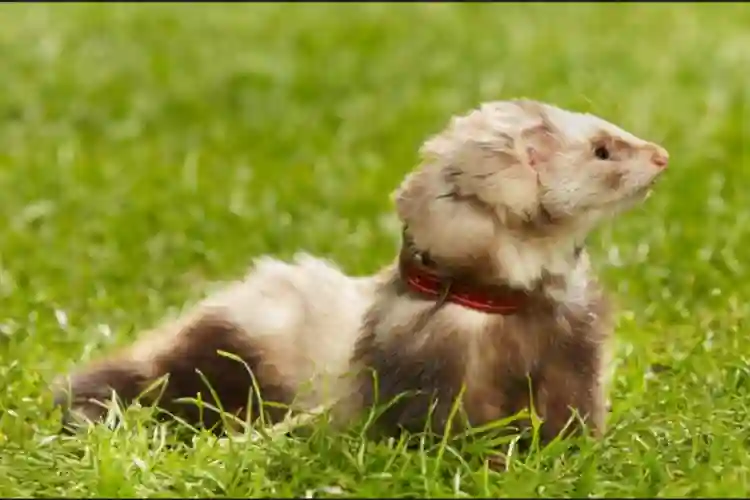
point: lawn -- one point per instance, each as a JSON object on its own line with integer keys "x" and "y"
{"x": 147, "y": 151}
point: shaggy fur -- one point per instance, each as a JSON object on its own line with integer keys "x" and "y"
{"x": 504, "y": 197}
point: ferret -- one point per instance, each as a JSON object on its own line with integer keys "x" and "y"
{"x": 491, "y": 301}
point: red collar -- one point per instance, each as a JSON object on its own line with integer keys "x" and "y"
{"x": 488, "y": 299}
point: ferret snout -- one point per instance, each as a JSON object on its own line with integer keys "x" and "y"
{"x": 660, "y": 157}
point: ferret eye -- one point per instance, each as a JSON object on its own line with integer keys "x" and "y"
{"x": 602, "y": 153}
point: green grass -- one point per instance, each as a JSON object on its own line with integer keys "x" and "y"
{"x": 147, "y": 151}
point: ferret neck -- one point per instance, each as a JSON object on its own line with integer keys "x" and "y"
{"x": 525, "y": 263}
{"x": 420, "y": 275}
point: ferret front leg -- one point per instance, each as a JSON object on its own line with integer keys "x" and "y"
{"x": 569, "y": 391}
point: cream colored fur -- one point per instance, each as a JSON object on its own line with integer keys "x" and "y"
{"x": 516, "y": 158}
{"x": 306, "y": 311}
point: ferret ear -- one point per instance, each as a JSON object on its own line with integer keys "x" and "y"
{"x": 426, "y": 202}
{"x": 541, "y": 142}
{"x": 412, "y": 196}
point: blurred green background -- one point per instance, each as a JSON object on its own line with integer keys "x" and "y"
{"x": 147, "y": 150}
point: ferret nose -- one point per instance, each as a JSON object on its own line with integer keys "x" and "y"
{"x": 660, "y": 157}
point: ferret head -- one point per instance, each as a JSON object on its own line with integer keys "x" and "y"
{"x": 516, "y": 185}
